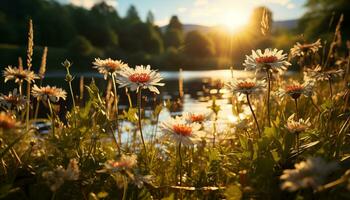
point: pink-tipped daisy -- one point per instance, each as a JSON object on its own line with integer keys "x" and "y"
{"x": 19, "y": 75}
{"x": 319, "y": 74}
{"x": 297, "y": 126}
{"x": 13, "y": 100}
{"x": 180, "y": 131}
{"x": 197, "y": 117}
{"x": 52, "y": 93}
{"x": 125, "y": 162}
{"x": 300, "y": 50}
{"x": 108, "y": 66}
{"x": 295, "y": 90}
{"x": 246, "y": 86}
{"x": 142, "y": 77}
{"x": 273, "y": 60}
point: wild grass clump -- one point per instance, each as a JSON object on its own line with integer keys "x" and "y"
{"x": 293, "y": 144}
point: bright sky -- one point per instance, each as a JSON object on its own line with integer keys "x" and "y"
{"x": 204, "y": 12}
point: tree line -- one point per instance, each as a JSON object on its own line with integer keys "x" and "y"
{"x": 81, "y": 34}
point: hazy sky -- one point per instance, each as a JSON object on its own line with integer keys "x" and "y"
{"x": 204, "y": 12}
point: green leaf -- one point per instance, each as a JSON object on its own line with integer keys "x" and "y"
{"x": 233, "y": 192}
{"x": 171, "y": 197}
{"x": 327, "y": 104}
{"x": 3, "y": 152}
{"x": 270, "y": 132}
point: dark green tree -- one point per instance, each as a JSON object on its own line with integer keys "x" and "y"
{"x": 132, "y": 15}
{"x": 174, "y": 36}
{"x": 198, "y": 45}
{"x": 175, "y": 24}
{"x": 150, "y": 18}
{"x": 322, "y": 16}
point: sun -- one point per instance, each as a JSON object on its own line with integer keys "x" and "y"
{"x": 234, "y": 20}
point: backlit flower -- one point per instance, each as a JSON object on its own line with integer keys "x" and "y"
{"x": 52, "y": 93}
{"x": 297, "y": 126}
{"x": 125, "y": 162}
{"x": 246, "y": 86}
{"x": 321, "y": 75}
{"x": 273, "y": 60}
{"x": 108, "y": 66}
{"x": 197, "y": 117}
{"x": 309, "y": 173}
{"x": 18, "y": 74}
{"x": 59, "y": 175}
{"x": 299, "y": 50}
{"x": 179, "y": 130}
{"x": 7, "y": 121}
{"x": 142, "y": 77}
{"x": 295, "y": 90}
{"x": 13, "y": 100}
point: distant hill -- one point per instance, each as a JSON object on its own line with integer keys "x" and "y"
{"x": 285, "y": 24}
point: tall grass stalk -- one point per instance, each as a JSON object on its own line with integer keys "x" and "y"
{"x": 29, "y": 66}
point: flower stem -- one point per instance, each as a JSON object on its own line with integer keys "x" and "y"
{"x": 268, "y": 96}
{"x": 256, "y": 121}
{"x": 296, "y": 107}
{"x": 125, "y": 187}
{"x": 139, "y": 102}
{"x": 28, "y": 105}
{"x": 297, "y": 143}
{"x": 38, "y": 103}
{"x": 73, "y": 99}
{"x": 330, "y": 87}
{"x": 314, "y": 104}
{"x": 180, "y": 165}
{"x": 52, "y": 117}
{"x": 116, "y": 110}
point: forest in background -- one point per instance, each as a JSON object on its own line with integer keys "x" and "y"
{"x": 80, "y": 35}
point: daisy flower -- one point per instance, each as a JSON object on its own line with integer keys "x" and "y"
{"x": 179, "y": 130}
{"x": 18, "y": 74}
{"x": 319, "y": 75}
{"x": 56, "y": 178}
{"x": 273, "y": 60}
{"x": 246, "y": 86}
{"x": 197, "y": 117}
{"x": 125, "y": 162}
{"x": 142, "y": 77}
{"x": 297, "y": 126}
{"x": 12, "y": 100}
{"x": 300, "y": 50}
{"x": 295, "y": 90}
{"x": 309, "y": 173}
{"x": 7, "y": 121}
{"x": 108, "y": 66}
{"x": 52, "y": 93}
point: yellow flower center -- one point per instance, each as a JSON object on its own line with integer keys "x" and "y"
{"x": 246, "y": 85}
{"x": 139, "y": 78}
{"x": 197, "y": 118}
{"x": 182, "y": 129}
{"x": 112, "y": 66}
{"x": 266, "y": 59}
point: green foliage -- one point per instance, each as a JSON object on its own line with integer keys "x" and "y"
{"x": 198, "y": 45}
{"x": 322, "y": 17}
